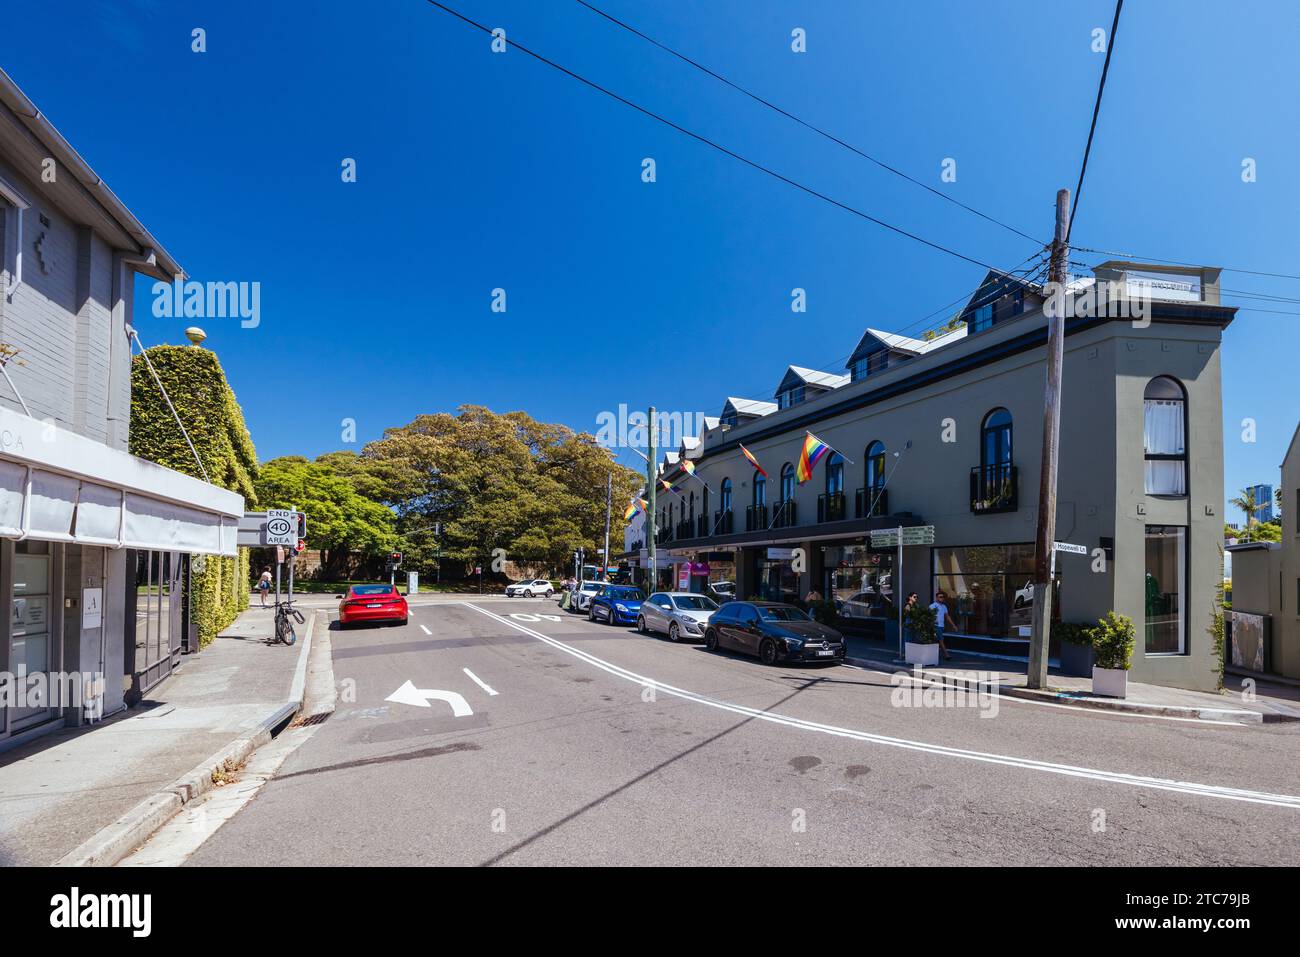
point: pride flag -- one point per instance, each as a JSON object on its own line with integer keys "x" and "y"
{"x": 688, "y": 466}
{"x": 634, "y": 506}
{"x": 814, "y": 450}
{"x": 753, "y": 461}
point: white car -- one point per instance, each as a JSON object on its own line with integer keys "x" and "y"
{"x": 681, "y": 615}
{"x": 583, "y": 596}
{"x": 725, "y": 591}
{"x": 529, "y": 588}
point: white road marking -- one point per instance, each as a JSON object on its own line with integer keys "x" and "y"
{"x": 478, "y": 681}
{"x": 408, "y": 693}
{"x": 1030, "y": 764}
{"x": 425, "y": 630}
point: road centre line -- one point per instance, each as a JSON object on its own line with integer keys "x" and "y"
{"x": 478, "y": 681}
{"x": 425, "y": 630}
{"x": 1031, "y": 764}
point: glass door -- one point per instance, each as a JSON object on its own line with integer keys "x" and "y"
{"x": 29, "y": 636}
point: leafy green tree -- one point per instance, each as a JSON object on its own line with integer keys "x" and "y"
{"x": 1246, "y": 502}
{"x": 493, "y": 481}
{"x": 340, "y": 521}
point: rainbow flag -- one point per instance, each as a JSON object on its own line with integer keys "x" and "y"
{"x": 688, "y": 466}
{"x": 634, "y": 506}
{"x": 753, "y": 461}
{"x": 814, "y": 450}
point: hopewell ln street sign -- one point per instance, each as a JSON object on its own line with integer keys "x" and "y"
{"x": 912, "y": 535}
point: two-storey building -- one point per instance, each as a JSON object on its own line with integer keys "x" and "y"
{"x": 93, "y": 541}
{"x": 946, "y": 431}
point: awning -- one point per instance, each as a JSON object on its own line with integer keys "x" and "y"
{"x": 58, "y": 486}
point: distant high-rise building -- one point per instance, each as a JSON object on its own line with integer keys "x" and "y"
{"x": 1264, "y": 499}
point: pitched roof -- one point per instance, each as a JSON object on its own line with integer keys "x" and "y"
{"x": 748, "y": 406}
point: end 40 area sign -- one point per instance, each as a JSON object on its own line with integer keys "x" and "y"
{"x": 275, "y": 526}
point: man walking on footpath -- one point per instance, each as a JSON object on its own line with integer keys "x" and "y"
{"x": 940, "y": 609}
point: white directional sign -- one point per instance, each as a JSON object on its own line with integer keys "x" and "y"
{"x": 1072, "y": 549}
{"x": 281, "y": 527}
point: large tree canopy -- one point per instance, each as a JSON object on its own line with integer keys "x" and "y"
{"x": 339, "y": 518}
{"x": 493, "y": 481}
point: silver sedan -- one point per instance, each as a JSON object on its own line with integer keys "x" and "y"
{"x": 681, "y": 615}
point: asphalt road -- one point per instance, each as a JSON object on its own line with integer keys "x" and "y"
{"x": 574, "y": 760}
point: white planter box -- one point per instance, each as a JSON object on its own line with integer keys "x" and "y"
{"x": 1110, "y": 682}
{"x": 917, "y": 654}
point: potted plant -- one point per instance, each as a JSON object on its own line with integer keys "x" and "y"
{"x": 921, "y": 646}
{"x": 1076, "y": 647}
{"x": 1112, "y": 645}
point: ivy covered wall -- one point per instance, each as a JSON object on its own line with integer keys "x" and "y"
{"x": 206, "y": 404}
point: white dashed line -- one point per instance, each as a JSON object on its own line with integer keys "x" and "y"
{"x": 478, "y": 681}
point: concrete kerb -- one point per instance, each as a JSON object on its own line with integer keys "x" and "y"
{"x": 112, "y": 843}
{"x": 1224, "y": 715}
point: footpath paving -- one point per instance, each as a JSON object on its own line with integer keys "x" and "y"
{"x": 1239, "y": 702}
{"x": 78, "y": 795}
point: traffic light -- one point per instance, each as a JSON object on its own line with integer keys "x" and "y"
{"x": 302, "y": 525}
{"x": 395, "y": 559}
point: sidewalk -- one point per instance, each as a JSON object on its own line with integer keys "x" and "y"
{"x": 60, "y": 790}
{"x": 1271, "y": 702}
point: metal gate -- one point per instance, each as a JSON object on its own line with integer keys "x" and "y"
{"x": 156, "y": 599}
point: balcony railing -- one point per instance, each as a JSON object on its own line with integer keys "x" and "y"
{"x": 663, "y": 536}
{"x": 756, "y": 518}
{"x": 685, "y": 529}
{"x": 722, "y": 522}
{"x": 863, "y": 498}
{"x": 784, "y": 515}
{"x": 830, "y": 507}
{"x": 702, "y": 527}
{"x": 994, "y": 488}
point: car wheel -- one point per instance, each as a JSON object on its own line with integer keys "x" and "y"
{"x": 528, "y": 593}
{"x": 591, "y": 613}
{"x": 640, "y": 624}
{"x": 711, "y": 639}
{"x": 610, "y": 617}
{"x": 673, "y": 633}
{"x": 767, "y": 651}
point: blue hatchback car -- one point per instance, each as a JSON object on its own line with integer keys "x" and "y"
{"x": 616, "y": 604}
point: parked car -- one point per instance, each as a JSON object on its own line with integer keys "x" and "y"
{"x": 723, "y": 591}
{"x": 372, "y": 603}
{"x": 616, "y": 604}
{"x": 677, "y": 614}
{"x": 773, "y": 632}
{"x": 1025, "y": 596}
{"x": 530, "y": 587}
{"x": 865, "y": 604}
{"x": 582, "y": 597}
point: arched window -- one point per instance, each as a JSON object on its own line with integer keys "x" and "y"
{"x": 1164, "y": 436}
{"x": 726, "y": 495}
{"x": 787, "y": 482}
{"x": 760, "y": 489}
{"x": 875, "y": 458}
{"x": 835, "y": 474}
{"x": 995, "y": 442}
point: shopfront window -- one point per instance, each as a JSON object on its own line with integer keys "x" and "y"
{"x": 29, "y": 629}
{"x": 776, "y": 577}
{"x": 1166, "y": 570}
{"x": 860, "y": 581}
{"x": 990, "y": 588}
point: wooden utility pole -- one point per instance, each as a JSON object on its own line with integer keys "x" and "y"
{"x": 652, "y": 582}
{"x": 609, "y": 500}
{"x": 1054, "y": 308}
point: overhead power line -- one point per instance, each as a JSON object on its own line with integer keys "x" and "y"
{"x": 804, "y": 123}
{"x": 1182, "y": 262}
{"x": 515, "y": 44}
{"x": 1096, "y": 109}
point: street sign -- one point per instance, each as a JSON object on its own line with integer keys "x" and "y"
{"x": 912, "y": 535}
{"x": 281, "y": 527}
{"x": 1072, "y": 549}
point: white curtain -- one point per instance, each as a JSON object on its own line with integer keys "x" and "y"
{"x": 1163, "y": 427}
{"x": 1166, "y": 477}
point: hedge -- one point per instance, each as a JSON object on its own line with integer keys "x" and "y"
{"x": 204, "y": 401}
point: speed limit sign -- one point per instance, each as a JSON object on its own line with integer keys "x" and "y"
{"x": 281, "y": 527}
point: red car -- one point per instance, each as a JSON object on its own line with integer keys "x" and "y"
{"x": 372, "y": 603}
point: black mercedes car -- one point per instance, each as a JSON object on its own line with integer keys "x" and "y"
{"x": 773, "y": 632}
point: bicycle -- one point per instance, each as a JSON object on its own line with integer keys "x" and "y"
{"x": 284, "y": 633}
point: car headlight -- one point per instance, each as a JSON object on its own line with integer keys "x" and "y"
{"x": 692, "y": 624}
{"x": 622, "y": 608}
{"x": 795, "y": 643}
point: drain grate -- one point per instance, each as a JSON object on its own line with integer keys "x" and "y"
{"x": 317, "y": 718}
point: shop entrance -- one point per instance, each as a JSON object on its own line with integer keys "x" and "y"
{"x": 30, "y": 644}
{"x": 155, "y": 606}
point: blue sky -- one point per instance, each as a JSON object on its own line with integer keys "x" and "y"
{"x": 478, "y": 171}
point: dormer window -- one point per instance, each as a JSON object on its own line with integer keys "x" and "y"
{"x": 982, "y": 318}
{"x": 789, "y": 397}
{"x": 869, "y": 365}
{"x": 728, "y": 418}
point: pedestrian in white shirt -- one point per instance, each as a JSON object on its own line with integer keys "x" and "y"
{"x": 940, "y": 609}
